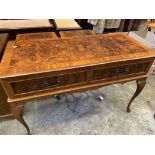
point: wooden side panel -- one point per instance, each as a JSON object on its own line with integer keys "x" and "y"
{"x": 4, "y": 106}
{"x": 3, "y": 42}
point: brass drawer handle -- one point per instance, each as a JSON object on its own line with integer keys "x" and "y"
{"x": 121, "y": 71}
{"x": 52, "y": 85}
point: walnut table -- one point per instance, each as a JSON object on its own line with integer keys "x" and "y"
{"x": 45, "y": 67}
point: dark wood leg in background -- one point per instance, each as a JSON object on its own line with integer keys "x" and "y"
{"x": 17, "y": 111}
{"x": 140, "y": 85}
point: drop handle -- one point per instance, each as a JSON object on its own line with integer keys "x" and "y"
{"x": 121, "y": 71}
{"x": 49, "y": 84}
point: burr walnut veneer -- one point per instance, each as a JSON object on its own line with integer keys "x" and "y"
{"x": 42, "y": 67}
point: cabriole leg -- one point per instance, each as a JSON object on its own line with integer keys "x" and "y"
{"x": 140, "y": 85}
{"x": 17, "y": 111}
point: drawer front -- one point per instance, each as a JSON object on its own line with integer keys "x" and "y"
{"x": 120, "y": 71}
{"x": 46, "y": 83}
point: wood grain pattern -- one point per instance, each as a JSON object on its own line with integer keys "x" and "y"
{"x": 48, "y": 82}
{"x": 45, "y": 55}
{"x": 72, "y": 89}
{"x": 118, "y": 71}
{"x": 43, "y": 62}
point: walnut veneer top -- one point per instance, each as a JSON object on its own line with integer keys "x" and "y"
{"x": 48, "y": 55}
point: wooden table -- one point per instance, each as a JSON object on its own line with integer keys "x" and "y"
{"x": 66, "y": 24}
{"x": 45, "y": 67}
{"x": 13, "y": 27}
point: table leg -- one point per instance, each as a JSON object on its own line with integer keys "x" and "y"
{"x": 17, "y": 111}
{"x": 140, "y": 85}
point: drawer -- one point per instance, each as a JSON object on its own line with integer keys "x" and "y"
{"x": 120, "y": 71}
{"x": 47, "y": 83}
